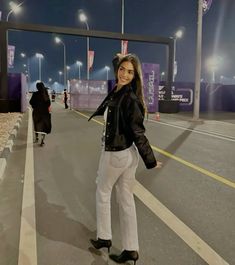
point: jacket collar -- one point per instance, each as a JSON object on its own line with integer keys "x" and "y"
{"x": 121, "y": 91}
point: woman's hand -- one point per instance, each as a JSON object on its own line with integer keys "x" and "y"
{"x": 159, "y": 164}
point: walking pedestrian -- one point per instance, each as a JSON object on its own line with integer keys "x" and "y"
{"x": 53, "y": 94}
{"x": 123, "y": 138}
{"x": 40, "y": 102}
{"x": 65, "y": 99}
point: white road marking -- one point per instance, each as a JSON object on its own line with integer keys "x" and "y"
{"x": 174, "y": 223}
{"x": 28, "y": 243}
{"x": 212, "y": 134}
{"x": 3, "y": 164}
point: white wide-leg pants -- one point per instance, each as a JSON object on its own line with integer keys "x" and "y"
{"x": 117, "y": 168}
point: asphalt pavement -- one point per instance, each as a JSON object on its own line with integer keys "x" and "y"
{"x": 185, "y": 211}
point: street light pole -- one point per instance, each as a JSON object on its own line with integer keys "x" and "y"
{"x": 178, "y": 35}
{"x": 213, "y": 76}
{"x": 23, "y": 55}
{"x": 14, "y": 9}
{"x": 174, "y": 70}
{"x": 123, "y": 17}
{"x": 198, "y": 63}
{"x": 58, "y": 40}
{"x": 39, "y": 56}
{"x": 107, "y": 68}
{"x": 221, "y": 78}
{"x": 60, "y": 74}
{"x": 123, "y": 6}
{"x": 29, "y": 74}
{"x": 79, "y": 69}
{"x": 83, "y": 18}
{"x": 213, "y": 64}
{"x": 67, "y": 68}
{"x": 88, "y": 48}
{"x": 40, "y": 72}
{"x": 40, "y": 69}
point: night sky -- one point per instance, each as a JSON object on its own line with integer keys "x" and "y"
{"x": 142, "y": 17}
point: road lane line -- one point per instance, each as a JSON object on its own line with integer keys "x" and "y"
{"x": 172, "y": 221}
{"x": 84, "y": 115}
{"x": 175, "y": 224}
{"x": 28, "y": 243}
{"x": 182, "y": 161}
{"x": 212, "y": 134}
{"x": 201, "y": 170}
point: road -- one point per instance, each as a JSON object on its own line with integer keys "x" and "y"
{"x": 185, "y": 211}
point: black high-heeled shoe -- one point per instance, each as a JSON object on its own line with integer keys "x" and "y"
{"x": 101, "y": 243}
{"x": 126, "y": 255}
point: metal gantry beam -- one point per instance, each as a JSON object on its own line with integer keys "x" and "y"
{"x": 6, "y": 26}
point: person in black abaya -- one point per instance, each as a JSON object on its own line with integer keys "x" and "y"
{"x": 40, "y": 102}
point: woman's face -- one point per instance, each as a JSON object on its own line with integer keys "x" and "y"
{"x": 125, "y": 73}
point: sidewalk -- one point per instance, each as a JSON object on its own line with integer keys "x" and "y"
{"x": 9, "y": 124}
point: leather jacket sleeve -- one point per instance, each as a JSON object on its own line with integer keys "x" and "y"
{"x": 100, "y": 110}
{"x": 130, "y": 123}
{"x": 137, "y": 129}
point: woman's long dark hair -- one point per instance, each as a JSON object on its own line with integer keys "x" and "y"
{"x": 137, "y": 82}
{"x": 42, "y": 90}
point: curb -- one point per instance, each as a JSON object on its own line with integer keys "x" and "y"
{"x": 8, "y": 147}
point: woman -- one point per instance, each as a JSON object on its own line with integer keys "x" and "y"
{"x": 40, "y": 103}
{"x": 124, "y": 111}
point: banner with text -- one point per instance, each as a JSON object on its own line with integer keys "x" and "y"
{"x": 11, "y": 55}
{"x": 151, "y": 82}
{"x": 213, "y": 97}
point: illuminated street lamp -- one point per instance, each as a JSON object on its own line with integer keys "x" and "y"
{"x": 213, "y": 64}
{"x": 83, "y": 18}
{"x": 60, "y": 74}
{"x": 107, "y": 68}
{"x": 221, "y": 78}
{"x": 15, "y": 8}
{"x": 79, "y": 69}
{"x": 162, "y": 75}
{"x": 67, "y": 68}
{"x": 40, "y": 57}
{"x": 178, "y": 35}
{"x": 23, "y": 55}
{"x": 58, "y": 40}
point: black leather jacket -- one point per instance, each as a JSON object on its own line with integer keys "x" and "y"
{"x": 124, "y": 124}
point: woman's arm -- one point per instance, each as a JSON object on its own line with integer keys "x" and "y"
{"x": 136, "y": 124}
